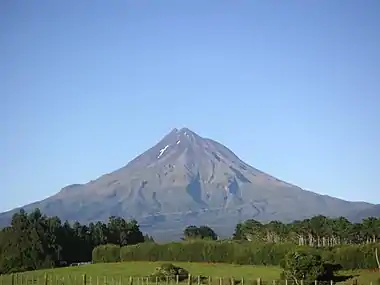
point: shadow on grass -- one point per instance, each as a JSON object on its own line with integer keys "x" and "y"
{"x": 331, "y": 270}
{"x": 342, "y": 278}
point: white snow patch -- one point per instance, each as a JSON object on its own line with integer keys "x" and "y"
{"x": 178, "y": 141}
{"x": 162, "y": 151}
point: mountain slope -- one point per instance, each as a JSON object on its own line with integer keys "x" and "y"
{"x": 186, "y": 179}
{"x": 358, "y": 216}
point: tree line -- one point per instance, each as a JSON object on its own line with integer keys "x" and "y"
{"x": 34, "y": 241}
{"x": 318, "y": 231}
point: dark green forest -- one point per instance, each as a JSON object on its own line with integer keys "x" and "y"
{"x": 35, "y": 241}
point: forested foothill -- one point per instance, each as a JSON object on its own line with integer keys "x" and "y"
{"x": 35, "y": 241}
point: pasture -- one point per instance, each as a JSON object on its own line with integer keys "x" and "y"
{"x": 137, "y": 273}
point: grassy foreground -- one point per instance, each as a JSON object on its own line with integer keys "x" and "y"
{"x": 120, "y": 273}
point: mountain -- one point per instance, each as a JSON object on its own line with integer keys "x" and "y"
{"x": 186, "y": 179}
{"x": 358, "y": 216}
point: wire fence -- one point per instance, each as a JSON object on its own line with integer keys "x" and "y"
{"x": 53, "y": 279}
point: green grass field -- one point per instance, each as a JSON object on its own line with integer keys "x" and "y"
{"x": 120, "y": 273}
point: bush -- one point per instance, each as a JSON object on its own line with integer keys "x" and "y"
{"x": 305, "y": 265}
{"x": 106, "y": 253}
{"x": 168, "y": 271}
{"x": 355, "y": 256}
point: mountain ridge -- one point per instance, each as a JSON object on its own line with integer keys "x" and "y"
{"x": 187, "y": 179}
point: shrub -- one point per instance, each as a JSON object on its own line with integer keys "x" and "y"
{"x": 106, "y": 253}
{"x": 170, "y": 271}
{"x": 305, "y": 265}
{"x": 355, "y": 256}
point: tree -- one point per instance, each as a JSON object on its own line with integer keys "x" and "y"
{"x": 202, "y": 232}
{"x": 249, "y": 230}
{"x": 370, "y": 229}
{"x": 148, "y": 238}
{"x": 28, "y": 243}
{"x": 305, "y": 266}
{"x": 123, "y": 233}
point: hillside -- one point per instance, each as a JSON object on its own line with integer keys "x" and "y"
{"x": 373, "y": 211}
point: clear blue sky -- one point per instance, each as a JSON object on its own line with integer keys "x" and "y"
{"x": 292, "y": 87}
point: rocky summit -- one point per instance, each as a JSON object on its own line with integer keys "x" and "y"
{"x": 187, "y": 179}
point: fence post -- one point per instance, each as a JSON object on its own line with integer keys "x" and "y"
{"x": 189, "y": 279}
{"x": 45, "y": 279}
{"x": 220, "y": 281}
{"x": 258, "y": 281}
{"x": 84, "y": 279}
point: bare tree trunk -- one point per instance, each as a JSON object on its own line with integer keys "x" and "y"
{"x": 377, "y": 258}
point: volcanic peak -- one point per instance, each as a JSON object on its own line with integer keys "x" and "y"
{"x": 186, "y": 179}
